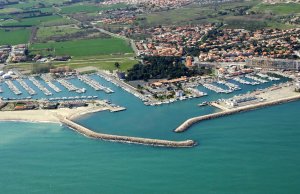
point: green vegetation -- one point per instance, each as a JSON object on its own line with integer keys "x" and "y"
{"x": 29, "y": 21}
{"x": 279, "y": 8}
{"x": 90, "y": 47}
{"x": 106, "y": 62}
{"x": 9, "y": 10}
{"x": 47, "y": 32}
{"x": 88, "y": 8}
{"x": 14, "y": 36}
{"x": 160, "y": 67}
{"x": 245, "y": 14}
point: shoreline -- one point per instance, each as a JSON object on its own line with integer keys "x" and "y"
{"x": 67, "y": 116}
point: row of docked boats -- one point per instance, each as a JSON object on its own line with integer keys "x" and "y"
{"x": 94, "y": 84}
{"x": 40, "y": 86}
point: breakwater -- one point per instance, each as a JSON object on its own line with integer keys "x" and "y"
{"x": 188, "y": 123}
{"x": 125, "y": 139}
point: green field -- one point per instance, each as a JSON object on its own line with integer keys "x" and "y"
{"x": 12, "y": 37}
{"x": 48, "y": 32}
{"x": 90, "y": 47}
{"x": 88, "y": 8}
{"x": 279, "y": 9}
{"x": 193, "y": 14}
{"x": 30, "y": 21}
{"x": 105, "y": 62}
{"x": 9, "y": 10}
{"x": 102, "y": 62}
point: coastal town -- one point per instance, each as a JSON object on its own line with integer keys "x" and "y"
{"x": 209, "y": 63}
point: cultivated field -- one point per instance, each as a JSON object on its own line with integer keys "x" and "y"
{"x": 88, "y": 8}
{"x": 14, "y": 36}
{"x": 30, "y": 21}
{"x": 89, "y": 47}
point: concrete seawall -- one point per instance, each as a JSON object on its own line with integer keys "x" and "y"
{"x": 188, "y": 123}
{"x": 125, "y": 139}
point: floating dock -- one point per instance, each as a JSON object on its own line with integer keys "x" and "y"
{"x": 26, "y": 87}
{"x": 67, "y": 85}
{"x": 94, "y": 84}
{"x": 54, "y": 87}
{"x": 40, "y": 86}
{"x": 13, "y": 87}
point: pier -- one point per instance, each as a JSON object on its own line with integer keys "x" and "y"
{"x": 188, "y": 123}
{"x": 54, "y": 87}
{"x": 26, "y": 87}
{"x": 13, "y": 87}
{"x": 125, "y": 139}
{"x": 256, "y": 79}
{"x": 70, "y": 87}
{"x": 216, "y": 88}
{"x": 94, "y": 84}
{"x": 40, "y": 86}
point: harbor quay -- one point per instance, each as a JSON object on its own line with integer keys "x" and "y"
{"x": 270, "y": 96}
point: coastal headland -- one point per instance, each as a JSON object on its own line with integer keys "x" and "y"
{"x": 269, "y": 97}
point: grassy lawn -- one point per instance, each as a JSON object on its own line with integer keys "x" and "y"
{"x": 90, "y": 47}
{"x": 88, "y": 8}
{"x": 16, "y": 36}
{"x": 279, "y": 9}
{"x": 30, "y": 21}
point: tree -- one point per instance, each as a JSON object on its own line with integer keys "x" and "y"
{"x": 117, "y": 65}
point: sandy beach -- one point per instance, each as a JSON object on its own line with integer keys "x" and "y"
{"x": 47, "y": 115}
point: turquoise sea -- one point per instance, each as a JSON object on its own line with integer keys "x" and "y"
{"x": 251, "y": 152}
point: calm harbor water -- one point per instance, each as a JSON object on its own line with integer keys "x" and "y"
{"x": 251, "y": 152}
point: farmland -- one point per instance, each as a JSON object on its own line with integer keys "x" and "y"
{"x": 105, "y": 62}
{"x": 48, "y": 32}
{"x": 14, "y": 36}
{"x": 88, "y": 8}
{"x": 89, "y": 47}
{"x": 279, "y": 9}
{"x": 30, "y": 21}
{"x": 247, "y": 14}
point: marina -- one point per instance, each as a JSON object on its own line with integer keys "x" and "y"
{"x": 231, "y": 86}
{"x": 13, "y": 87}
{"x": 70, "y": 87}
{"x": 217, "y": 89}
{"x": 256, "y": 79}
{"x": 40, "y": 86}
{"x": 268, "y": 77}
{"x": 54, "y": 87}
{"x": 94, "y": 84}
{"x": 242, "y": 81}
{"x": 26, "y": 87}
